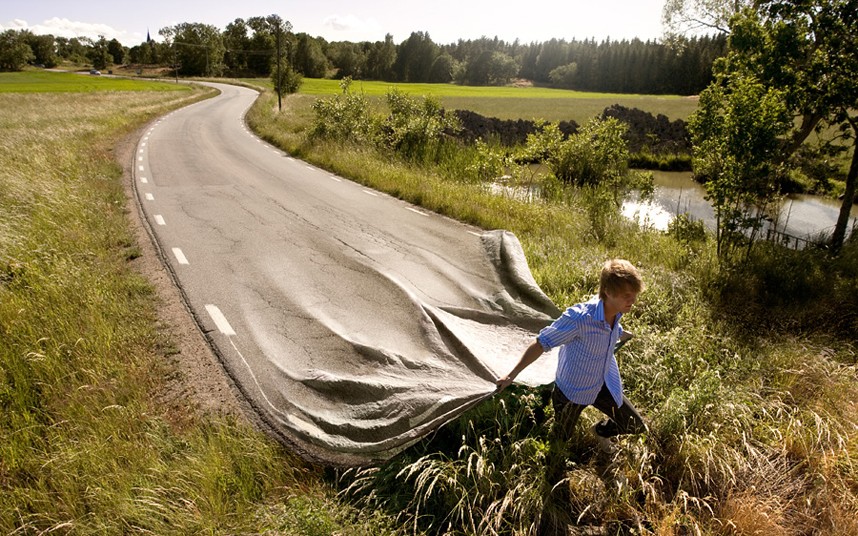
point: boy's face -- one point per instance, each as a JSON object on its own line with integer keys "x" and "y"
{"x": 621, "y": 300}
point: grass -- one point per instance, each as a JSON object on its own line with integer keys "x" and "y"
{"x": 511, "y": 102}
{"x": 750, "y": 404}
{"x": 62, "y": 82}
{"x": 87, "y": 446}
{"x": 753, "y": 422}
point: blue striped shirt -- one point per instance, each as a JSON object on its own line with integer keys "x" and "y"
{"x": 586, "y": 359}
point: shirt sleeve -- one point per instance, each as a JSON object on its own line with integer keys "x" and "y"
{"x": 562, "y": 331}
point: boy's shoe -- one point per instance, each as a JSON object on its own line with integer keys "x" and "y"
{"x": 606, "y": 444}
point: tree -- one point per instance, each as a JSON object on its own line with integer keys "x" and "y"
{"x": 15, "y": 53}
{"x": 564, "y": 76}
{"x": 43, "y": 47}
{"x": 415, "y": 57}
{"x": 98, "y": 54}
{"x": 117, "y": 51}
{"x": 681, "y": 17}
{"x": 736, "y": 133}
{"x": 309, "y": 58}
{"x": 236, "y": 40}
{"x": 263, "y": 48}
{"x": 380, "y": 59}
{"x": 807, "y": 52}
{"x": 198, "y": 48}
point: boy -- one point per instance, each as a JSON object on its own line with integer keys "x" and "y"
{"x": 587, "y": 371}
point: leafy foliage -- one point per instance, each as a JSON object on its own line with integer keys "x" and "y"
{"x": 736, "y": 133}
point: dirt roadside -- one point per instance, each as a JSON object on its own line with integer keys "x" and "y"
{"x": 197, "y": 382}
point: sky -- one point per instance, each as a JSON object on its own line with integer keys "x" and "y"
{"x": 446, "y": 21}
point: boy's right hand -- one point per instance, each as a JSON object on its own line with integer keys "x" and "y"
{"x": 504, "y": 382}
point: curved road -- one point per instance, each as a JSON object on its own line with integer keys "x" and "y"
{"x": 353, "y": 322}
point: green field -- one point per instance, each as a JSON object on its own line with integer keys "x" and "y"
{"x": 64, "y": 82}
{"x": 511, "y": 102}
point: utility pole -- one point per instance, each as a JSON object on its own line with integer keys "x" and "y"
{"x": 279, "y": 74}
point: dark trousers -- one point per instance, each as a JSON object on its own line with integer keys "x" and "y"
{"x": 624, "y": 419}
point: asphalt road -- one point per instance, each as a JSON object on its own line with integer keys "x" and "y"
{"x": 354, "y": 323}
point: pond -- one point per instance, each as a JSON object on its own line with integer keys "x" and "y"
{"x": 804, "y": 216}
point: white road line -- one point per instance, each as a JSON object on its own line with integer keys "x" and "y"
{"x": 143, "y": 144}
{"x": 139, "y": 158}
{"x": 144, "y": 180}
{"x": 160, "y": 219}
{"x": 475, "y": 234}
{"x": 141, "y": 168}
{"x": 150, "y": 197}
{"x": 368, "y": 192}
{"x": 310, "y": 168}
{"x": 416, "y": 211}
{"x": 220, "y": 320}
{"x": 334, "y": 178}
{"x": 180, "y": 256}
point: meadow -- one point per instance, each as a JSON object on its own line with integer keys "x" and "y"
{"x": 748, "y": 384}
{"x": 509, "y": 102}
{"x": 65, "y": 82}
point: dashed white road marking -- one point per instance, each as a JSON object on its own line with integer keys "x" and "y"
{"x": 475, "y": 234}
{"x": 144, "y": 180}
{"x": 139, "y": 158}
{"x": 150, "y": 197}
{"x": 335, "y": 178}
{"x": 180, "y": 256}
{"x": 160, "y": 219}
{"x": 368, "y": 192}
{"x": 220, "y": 320}
{"x": 417, "y": 211}
{"x": 141, "y": 168}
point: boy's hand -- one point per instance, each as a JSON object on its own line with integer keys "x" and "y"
{"x": 504, "y": 382}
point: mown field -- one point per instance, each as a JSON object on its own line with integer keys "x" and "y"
{"x": 745, "y": 377}
{"x": 511, "y": 102}
{"x": 56, "y": 82}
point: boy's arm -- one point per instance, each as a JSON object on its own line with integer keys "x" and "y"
{"x": 530, "y": 355}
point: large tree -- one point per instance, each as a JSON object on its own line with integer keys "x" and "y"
{"x": 198, "y": 48}
{"x": 807, "y": 52}
{"x": 15, "y": 53}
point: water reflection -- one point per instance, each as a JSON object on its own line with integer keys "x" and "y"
{"x": 676, "y": 193}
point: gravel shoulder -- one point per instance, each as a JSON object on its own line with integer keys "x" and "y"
{"x": 197, "y": 381}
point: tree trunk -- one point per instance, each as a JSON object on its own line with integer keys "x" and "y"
{"x": 839, "y": 234}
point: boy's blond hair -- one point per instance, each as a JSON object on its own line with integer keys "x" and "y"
{"x": 619, "y": 275}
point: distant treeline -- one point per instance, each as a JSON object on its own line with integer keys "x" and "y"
{"x": 248, "y": 48}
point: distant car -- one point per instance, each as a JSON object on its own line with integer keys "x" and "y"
{"x": 95, "y": 72}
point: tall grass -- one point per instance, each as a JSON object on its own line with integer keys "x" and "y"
{"x": 752, "y": 423}
{"x": 86, "y": 447}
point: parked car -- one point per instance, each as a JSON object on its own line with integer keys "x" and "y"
{"x": 95, "y": 72}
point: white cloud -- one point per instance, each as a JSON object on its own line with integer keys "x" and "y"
{"x": 353, "y": 27}
{"x": 61, "y": 27}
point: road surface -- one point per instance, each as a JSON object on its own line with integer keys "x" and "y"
{"x": 353, "y": 322}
